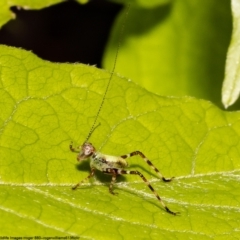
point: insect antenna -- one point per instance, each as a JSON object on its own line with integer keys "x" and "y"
{"x": 111, "y": 76}
{"x": 92, "y": 130}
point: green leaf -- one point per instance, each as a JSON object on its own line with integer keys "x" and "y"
{"x": 179, "y": 49}
{"x": 231, "y": 85}
{"x": 46, "y": 105}
{"x": 6, "y": 14}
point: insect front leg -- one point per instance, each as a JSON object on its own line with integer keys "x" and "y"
{"x": 76, "y": 150}
{"x": 149, "y": 163}
{"x": 121, "y": 171}
{"x": 89, "y": 176}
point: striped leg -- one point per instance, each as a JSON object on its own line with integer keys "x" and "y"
{"x": 76, "y": 150}
{"x": 116, "y": 172}
{"x": 149, "y": 163}
{"x": 89, "y": 176}
{"x": 114, "y": 176}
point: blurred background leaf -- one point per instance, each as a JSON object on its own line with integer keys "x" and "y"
{"x": 231, "y": 84}
{"x": 175, "y": 49}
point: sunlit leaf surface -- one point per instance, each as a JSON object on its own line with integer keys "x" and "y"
{"x": 45, "y": 106}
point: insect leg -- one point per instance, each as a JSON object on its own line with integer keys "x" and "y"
{"x": 114, "y": 173}
{"x": 76, "y": 150}
{"x": 114, "y": 176}
{"x": 89, "y": 176}
{"x": 120, "y": 171}
{"x": 149, "y": 163}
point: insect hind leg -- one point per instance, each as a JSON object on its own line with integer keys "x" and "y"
{"x": 121, "y": 171}
{"x": 149, "y": 163}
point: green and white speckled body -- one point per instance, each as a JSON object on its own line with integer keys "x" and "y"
{"x": 102, "y": 161}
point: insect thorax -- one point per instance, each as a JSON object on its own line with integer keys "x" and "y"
{"x": 101, "y": 161}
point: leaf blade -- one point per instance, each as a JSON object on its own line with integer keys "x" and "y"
{"x": 181, "y": 136}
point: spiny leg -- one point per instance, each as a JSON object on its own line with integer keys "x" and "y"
{"x": 89, "y": 176}
{"x": 149, "y": 163}
{"x": 120, "y": 171}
